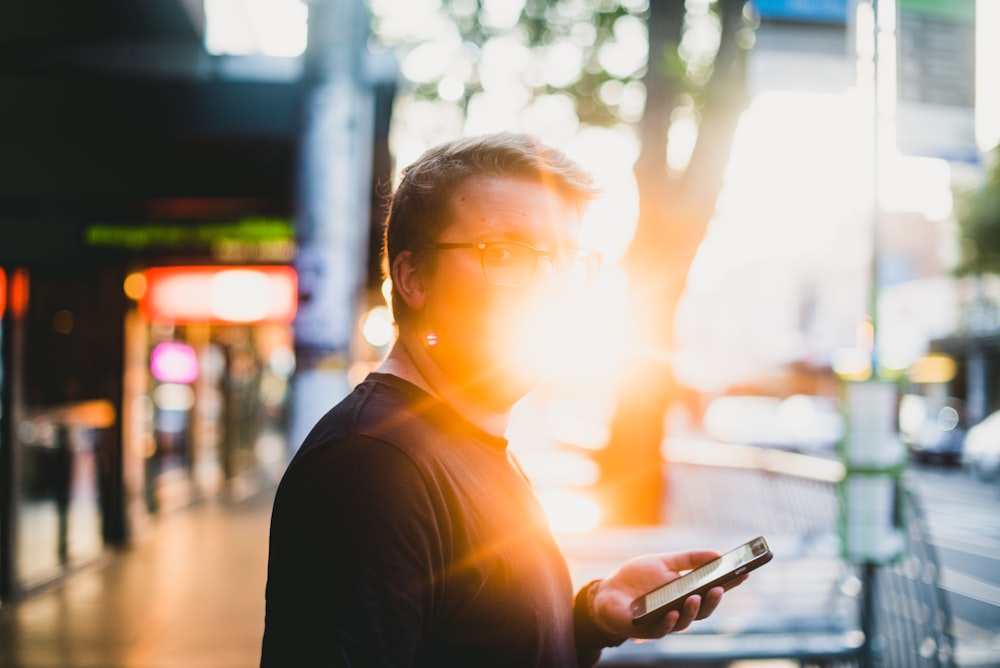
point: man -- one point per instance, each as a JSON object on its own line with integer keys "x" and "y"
{"x": 402, "y": 534}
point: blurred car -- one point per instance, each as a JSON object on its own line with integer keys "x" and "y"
{"x": 932, "y": 430}
{"x": 800, "y": 422}
{"x": 981, "y": 451}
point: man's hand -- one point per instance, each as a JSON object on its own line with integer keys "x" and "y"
{"x": 613, "y": 600}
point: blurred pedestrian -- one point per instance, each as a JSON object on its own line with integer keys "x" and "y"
{"x": 402, "y": 533}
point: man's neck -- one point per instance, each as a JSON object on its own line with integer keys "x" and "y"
{"x": 408, "y": 360}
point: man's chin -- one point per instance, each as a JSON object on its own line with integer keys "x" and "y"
{"x": 502, "y": 389}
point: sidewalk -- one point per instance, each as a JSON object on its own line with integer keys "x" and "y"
{"x": 190, "y": 593}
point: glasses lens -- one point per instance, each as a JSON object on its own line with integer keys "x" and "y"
{"x": 579, "y": 266}
{"x": 508, "y": 265}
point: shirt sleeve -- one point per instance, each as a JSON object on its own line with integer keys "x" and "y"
{"x": 590, "y": 638}
{"x": 356, "y": 557}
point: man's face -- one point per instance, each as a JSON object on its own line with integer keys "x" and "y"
{"x": 489, "y": 337}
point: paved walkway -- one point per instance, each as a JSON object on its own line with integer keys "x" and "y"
{"x": 190, "y": 594}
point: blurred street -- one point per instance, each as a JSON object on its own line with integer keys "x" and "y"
{"x": 798, "y": 221}
{"x": 963, "y": 516}
{"x": 190, "y": 593}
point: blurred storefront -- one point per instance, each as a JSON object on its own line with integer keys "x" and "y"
{"x": 135, "y": 156}
{"x": 60, "y": 376}
{"x": 127, "y": 145}
{"x": 208, "y": 362}
{"x": 133, "y": 385}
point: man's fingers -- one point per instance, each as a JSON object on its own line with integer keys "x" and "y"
{"x": 689, "y": 612}
{"x": 658, "y": 628}
{"x": 712, "y": 599}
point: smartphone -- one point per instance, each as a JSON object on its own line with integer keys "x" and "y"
{"x": 715, "y": 573}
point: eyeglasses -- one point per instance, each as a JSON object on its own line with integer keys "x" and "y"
{"x": 509, "y": 264}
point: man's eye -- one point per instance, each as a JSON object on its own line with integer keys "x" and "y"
{"x": 499, "y": 255}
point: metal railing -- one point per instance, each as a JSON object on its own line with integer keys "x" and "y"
{"x": 788, "y": 494}
{"x": 913, "y": 619}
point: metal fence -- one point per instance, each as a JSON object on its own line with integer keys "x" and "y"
{"x": 913, "y": 621}
{"x": 785, "y": 495}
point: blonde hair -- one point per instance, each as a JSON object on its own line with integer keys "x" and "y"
{"x": 420, "y": 209}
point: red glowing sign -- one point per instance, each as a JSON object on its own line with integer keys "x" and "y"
{"x": 220, "y": 295}
{"x": 14, "y": 291}
{"x": 19, "y": 292}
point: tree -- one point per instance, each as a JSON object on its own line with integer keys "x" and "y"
{"x": 694, "y": 68}
{"x": 978, "y": 214}
{"x": 674, "y": 211}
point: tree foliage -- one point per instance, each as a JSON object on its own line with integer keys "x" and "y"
{"x": 590, "y": 33}
{"x": 578, "y": 30}
{"x": 978, "y": 214}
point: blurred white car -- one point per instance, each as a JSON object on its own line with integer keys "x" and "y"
{"x": 981, "y": 453}
{"x": 800, "y": 422}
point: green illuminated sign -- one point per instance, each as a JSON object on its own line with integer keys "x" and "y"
{"x": 174, "y": 236}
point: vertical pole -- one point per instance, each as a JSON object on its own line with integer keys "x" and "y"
{"x": 876, "y": 210}
{"x": 6, "y": 460}
{"x": 11, "y": 387}
{"x": 334, "y": 200}
{"x": 868, "y": 568}
{"x": 869, "y": 577}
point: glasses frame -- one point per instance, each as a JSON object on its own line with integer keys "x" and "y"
{"x": 482, "y": 247}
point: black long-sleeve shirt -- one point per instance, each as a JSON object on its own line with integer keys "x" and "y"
{"x": 402, "y": 536}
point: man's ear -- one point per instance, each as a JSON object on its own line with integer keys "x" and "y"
{"x": 407, "y": 280}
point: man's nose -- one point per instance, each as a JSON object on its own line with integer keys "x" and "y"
{"x": 545, "y": 268}
{"x": 547, "y": 277}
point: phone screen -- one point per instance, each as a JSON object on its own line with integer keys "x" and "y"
{"x": 699, "y": 576}
{"x": 730, "y": 565}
